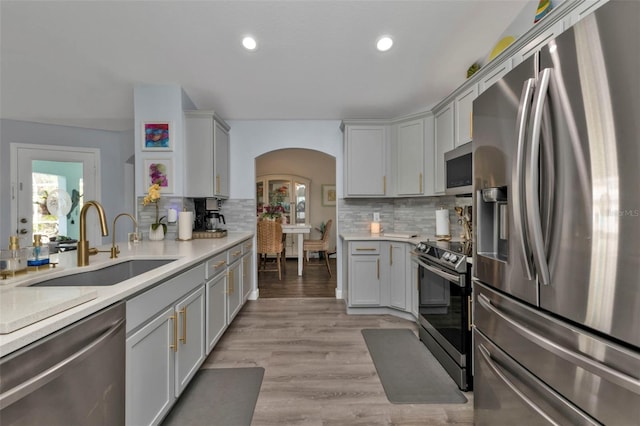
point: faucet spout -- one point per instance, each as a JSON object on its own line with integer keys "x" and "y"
{"x": 83, "y": 244}
{"x": 114, "y": 249}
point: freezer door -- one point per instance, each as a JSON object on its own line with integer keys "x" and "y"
{"x": 596, "y": 375}
{"x": 592, "y": 154}
{"x": 508, "y": 394}
{"x": 499, "y": 127}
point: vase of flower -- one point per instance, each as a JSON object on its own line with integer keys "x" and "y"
{"x": 156, "y": 234}
{"x": 157, "y": 229}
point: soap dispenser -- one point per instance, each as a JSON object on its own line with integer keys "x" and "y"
{"x": 39, "y": 254}
{"x": 13, "y": 260}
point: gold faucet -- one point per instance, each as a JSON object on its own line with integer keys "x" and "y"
{"x": 114, "y": 249}
{"x": 83, "y": 245}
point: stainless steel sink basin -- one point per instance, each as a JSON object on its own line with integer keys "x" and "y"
{"x": 109, "y": 275}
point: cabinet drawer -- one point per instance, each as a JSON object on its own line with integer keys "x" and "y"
{"x": 365, "y": 247}
{"x": 247, "y": 246}
{"x": 141, "y": 308}
{"x": 234, "y": 254}
{"x": 215, "y": 265}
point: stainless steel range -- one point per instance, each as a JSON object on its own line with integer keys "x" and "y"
{"x": 444, "y": 286}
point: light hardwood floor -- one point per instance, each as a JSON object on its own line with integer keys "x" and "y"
{"x": 318, "y": 370}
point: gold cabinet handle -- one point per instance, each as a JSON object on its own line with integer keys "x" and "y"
{"x": 420, "y": 184}
{"x": 183, "y": 312}
{"x": 390, "y": 255}
{"x": 378, "y": 267}
{"x": 233, "y": 283}
{"x": 219, "y": 264}
{"x": 236, "y": 253}
{"x": 384, "y": 185}
{"x": 471, "y": 125}
{"x": 174, "y": 346}
{"x": 217, "y": 184}
{"x": 365, "y": 249}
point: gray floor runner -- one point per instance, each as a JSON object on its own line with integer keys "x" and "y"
{"x": 218, "y": 397}
{"x": 408, "y": 371}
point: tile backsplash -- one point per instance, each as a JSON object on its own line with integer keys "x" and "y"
{"x": 415, "y": 215}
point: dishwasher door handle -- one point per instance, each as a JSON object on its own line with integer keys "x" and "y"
{"x": 18, "y": 392}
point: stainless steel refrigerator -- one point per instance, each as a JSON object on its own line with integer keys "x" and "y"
{"x": 557, "y": 247}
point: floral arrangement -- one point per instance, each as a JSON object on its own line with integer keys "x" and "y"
{"x": 275, "y": 208}
{"x": 153, "y": 196}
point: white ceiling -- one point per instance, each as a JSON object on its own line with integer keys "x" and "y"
{"x": 77, "y": 62}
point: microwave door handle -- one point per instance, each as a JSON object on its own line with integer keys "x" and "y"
{"x": 518, "y": 180}
{"x": 532, "y": 160}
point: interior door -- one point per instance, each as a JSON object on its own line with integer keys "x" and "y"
{"x": 37, "y": 171}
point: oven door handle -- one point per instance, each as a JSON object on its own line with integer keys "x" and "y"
{"x": 447, "y": 276}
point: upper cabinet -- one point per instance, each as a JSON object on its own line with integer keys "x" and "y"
{"x": 206, "y": 155}
{"x": 409, "y": 150}
{"x": 365, "y": 165}
{"x": 464, "y": 114}
{"x": 444, "y": 141}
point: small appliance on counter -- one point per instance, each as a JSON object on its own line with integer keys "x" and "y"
{"x": 208, "y": 221}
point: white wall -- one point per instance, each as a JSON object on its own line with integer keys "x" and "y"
{"x": 250, "y": 139}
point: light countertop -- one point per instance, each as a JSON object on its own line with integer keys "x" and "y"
{"x": 367, "y": 236}
{"x": 19, "y": 302}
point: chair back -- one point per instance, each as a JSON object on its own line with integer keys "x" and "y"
{"x": 269, "y": 237}
{"x": 325, "y": 234}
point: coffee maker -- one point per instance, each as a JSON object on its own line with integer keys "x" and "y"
{"x": 207, "y": 215}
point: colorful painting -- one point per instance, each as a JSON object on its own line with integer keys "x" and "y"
{"x": 544, "y": 7}
{"x": 156, "y": 136}
{"x": 160, "y": 172}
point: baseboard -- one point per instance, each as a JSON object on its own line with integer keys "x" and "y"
{"x": 254, "y": 295}
{"x": 381, "y": 311}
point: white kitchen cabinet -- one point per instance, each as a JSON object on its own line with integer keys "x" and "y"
{"x": 165, "y": 344}
{"x": 444, "y": 141}
{"x": 206, "y": 155}
{"x": 365, "y": 161}
{"x": 216, "y": 309}
{"x": 537, "y": 42}
{"x": 583, "y": 9}
{"x": 150, "y": 370}
{"x": 409, "y": 150}
{"x": 364, "y": 273}
{"x": 464, "y": 115}
{"x": 247, "y": 270}
{"x": 191, "y": 331}
{"x": 494, "y": 75}
{"x": 234, "y": 282}
{"x": 397, "y": 275}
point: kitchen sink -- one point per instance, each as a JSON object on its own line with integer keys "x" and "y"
{"x": 109, "y": 275}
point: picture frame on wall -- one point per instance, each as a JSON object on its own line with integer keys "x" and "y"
{"x": 159, "y": 171}
{"x": 157, "y": 136}
{"x": 329, "y": 195}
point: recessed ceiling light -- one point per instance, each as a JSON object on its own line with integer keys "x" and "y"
{"x": 384, "y": 43}
{"x": 249, "y": 43}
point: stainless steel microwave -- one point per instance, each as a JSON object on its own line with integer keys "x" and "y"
{"x": 458, "y": 170}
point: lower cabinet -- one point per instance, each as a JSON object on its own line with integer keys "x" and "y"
{"x": 379, "y": 275}
{"x": 247, "y": 274}
{"x": 216, "y": 310}
{"x": 364, "y": 273}
{"x": 234, "y": 290}
{"x": 162, "y": 357}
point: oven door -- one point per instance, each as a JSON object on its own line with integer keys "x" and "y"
{"x": 443, "y": 309}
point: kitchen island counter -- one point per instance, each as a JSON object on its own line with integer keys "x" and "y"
{"x": 186, "y": 253}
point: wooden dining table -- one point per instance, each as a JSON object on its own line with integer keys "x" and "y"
{"x": 300, "y": 230}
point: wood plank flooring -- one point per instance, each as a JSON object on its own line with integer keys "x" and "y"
{"x": 314, "y": 282}
{"x": 318, "y": 370}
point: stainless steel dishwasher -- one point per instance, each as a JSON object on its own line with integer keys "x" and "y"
{"x": 75, "y": 376}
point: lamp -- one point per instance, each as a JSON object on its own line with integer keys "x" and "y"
{"x": 375, "y": 227}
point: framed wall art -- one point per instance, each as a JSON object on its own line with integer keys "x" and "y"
{"x": 157, "y": 136}
{"x": 160, "y": 172}
{"x": 328, "y": 195}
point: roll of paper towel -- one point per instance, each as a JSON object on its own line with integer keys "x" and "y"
{"x": 442, "y": 223}
{"x": 185, "y": 225}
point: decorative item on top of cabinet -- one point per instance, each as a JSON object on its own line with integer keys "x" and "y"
{"x": 206, "y": 155}
{"x": 365, "y": 164}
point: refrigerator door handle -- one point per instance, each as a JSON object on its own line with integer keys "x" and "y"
{"x": 532, "y": 200}
{"x": 517, "y": 179}
{"x": 607, "y": 373}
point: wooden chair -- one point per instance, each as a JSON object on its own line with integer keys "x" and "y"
{"x": 270, "y": 242}
{"x": 321, "y": 245}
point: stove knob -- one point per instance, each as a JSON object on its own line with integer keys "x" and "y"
{"x": 445, "y": 256}
{"x": 453, "y": 258}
